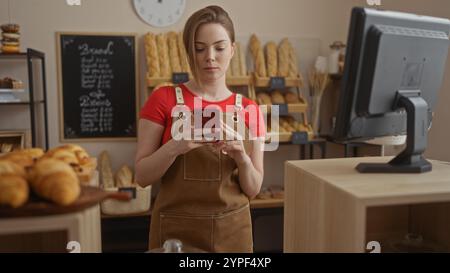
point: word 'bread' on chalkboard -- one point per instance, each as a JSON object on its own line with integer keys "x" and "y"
{"x": 97, "y": 85}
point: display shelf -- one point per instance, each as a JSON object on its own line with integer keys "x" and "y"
{"x": 30, "y": 56}
{"x": 267, "y": 203}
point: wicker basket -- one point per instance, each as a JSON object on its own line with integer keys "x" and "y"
{"x": 139, "y": 204}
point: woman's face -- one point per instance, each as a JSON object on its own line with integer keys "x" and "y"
{"x": 213, "y": 51}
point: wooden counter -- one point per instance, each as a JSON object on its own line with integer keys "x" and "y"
{"x": 330, "y": 207}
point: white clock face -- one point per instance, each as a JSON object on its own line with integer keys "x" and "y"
{"x": 160, "y": 13}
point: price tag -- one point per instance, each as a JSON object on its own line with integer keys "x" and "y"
{"x": 283, "y": 109}
{"x": 299, "y": 138}
{"x": 180, "y": 78}
{"x": 277, "y": 83}
{"x": 130, "y": 190}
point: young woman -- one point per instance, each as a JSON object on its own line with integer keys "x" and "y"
{"x": 204, "y": 196}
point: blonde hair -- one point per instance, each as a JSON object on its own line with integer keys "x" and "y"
{"x": 210, "y": 14}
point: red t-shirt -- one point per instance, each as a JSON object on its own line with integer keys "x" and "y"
{"x": 158, "y": 108}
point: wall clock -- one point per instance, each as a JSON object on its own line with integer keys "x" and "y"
{"x": 160, "y": 13}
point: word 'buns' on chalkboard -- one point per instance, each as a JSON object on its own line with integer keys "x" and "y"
{"x": 97, "y": 82}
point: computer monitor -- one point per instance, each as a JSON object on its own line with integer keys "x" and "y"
{"x": 393, "y": 71}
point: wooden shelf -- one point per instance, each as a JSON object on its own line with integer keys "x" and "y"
{"x": 291, "y": 108}
{"x": 239, "y": 81}
{"x": 142, "y": 214}
{"x": 152, "y": 82}
{"x": 267, "y": 203}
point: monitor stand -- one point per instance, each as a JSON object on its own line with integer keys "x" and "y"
{"x": 410, "y": 160}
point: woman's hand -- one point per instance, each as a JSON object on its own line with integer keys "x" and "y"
{"x": 182, "y": 146}
{"x": 235, "y": 149}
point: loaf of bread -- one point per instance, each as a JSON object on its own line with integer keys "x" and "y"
{"x": 163, "y": 54}
{"x": 291, "y": 97}
{"x": 293, "y": 61}
{"x": 258, "y": 56}
{"x": 277, "y": 97}
{"x": 183, "y": 55}
{"x": 151, "y": 52}
{"x": 263, "y": 99}
{"x": 106, "y": 174}
{"x": 174, "y": 57}
{"x": 14, "y": 190}
{"x": 283, "y": 58}
{"x": 55, "y": 180}
{"x": 242, "y": 60}
{"x": 124, "y": 177}
{"x": 271, "y": 57}
{"x": 235, "y": 63}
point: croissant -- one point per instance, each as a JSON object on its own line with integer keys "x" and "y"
{"x": 24, "y": 158}
{"x": 64, "y": 155}
{"x": 55, "y": 180}
{"x": 14, "y": 190}
{"x": 10, "y": 167}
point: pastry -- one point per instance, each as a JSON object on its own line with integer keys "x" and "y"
{"x": 10, "y": 167}
{"x": 151, "y": 51}
{"x": 106, "y": 174}
{"x": 290, "y": 97}
{"x": 19, "y": 158}
{"x": 258, "y": 56}
{"x": 271, "y": 57}
{"x": 14, "y": 190}
{"x": 183, "y": 55}
{"x": 10, "y": 28}
{"x": 264, "y": 193}
{"x": 173, "y": 52}
{"x": 124, "y": 177}
{"x": 235, "y": 63}
{"x": 283, "y": 58}
{"x": 263, "y": 99}
{"x": 277, "y": 97}
{"x": 163, "y": 54}
{"x": 55, "y": 180}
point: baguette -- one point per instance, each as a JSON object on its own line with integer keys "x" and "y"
{"x": 163, "y": 54}
{"x": 151, "y": 51}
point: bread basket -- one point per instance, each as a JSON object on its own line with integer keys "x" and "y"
{"x": 139, "y": 203}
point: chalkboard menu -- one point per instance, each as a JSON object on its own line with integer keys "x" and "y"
{"x": 97, "y": 82}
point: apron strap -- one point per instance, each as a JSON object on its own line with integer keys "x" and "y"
{"x": 238, "y": 103}
{"x": 179, "y": 95}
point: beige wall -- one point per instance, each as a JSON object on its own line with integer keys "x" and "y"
{"x": 323, "y": 19}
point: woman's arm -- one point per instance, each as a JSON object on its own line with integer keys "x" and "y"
{"x": 251, "y": 167}
{"x": 152, "y": 159}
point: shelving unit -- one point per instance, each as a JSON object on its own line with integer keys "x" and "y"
{"x": 30, "y": 56}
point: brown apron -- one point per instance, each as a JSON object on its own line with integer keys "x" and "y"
{"x": 201, "y": 203}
